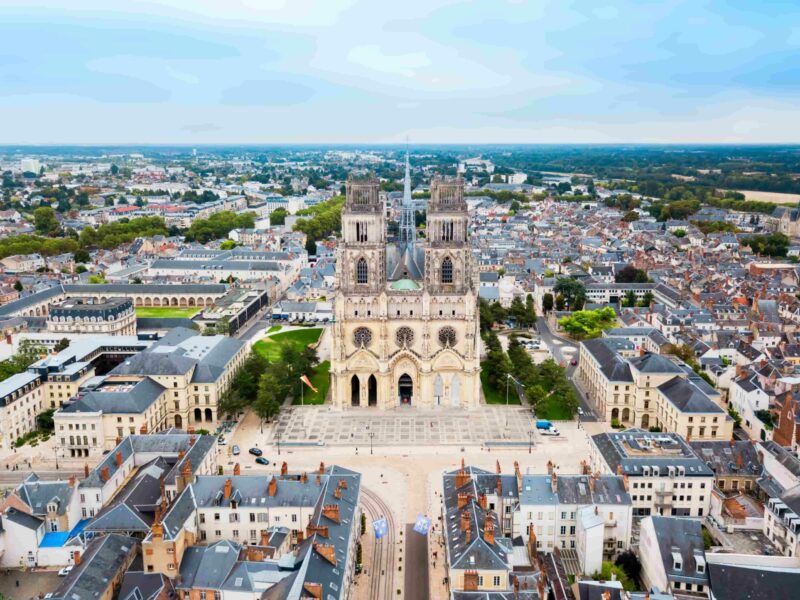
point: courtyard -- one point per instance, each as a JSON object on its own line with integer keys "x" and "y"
{"x": 166, "y": 312}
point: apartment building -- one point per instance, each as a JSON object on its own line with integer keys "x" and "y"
{"x": 665, "y": 476}
{"x": 650, "y": 390}
{"x": 553, "y": 510}
{"x": 673, "y": 556}
{"x": 22, "y": 398}
{"x": 176, "y": 382}
{"x": 305, "y": 523}
{"x": 114, "y": 316}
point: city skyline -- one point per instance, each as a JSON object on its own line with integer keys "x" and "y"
{"x": 351, "y": 72}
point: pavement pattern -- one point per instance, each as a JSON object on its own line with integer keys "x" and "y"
{"x": 401, "y": 426}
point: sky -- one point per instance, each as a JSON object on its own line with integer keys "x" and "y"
{"x": 374, "y": 71}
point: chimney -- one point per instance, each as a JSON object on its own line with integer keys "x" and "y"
{"x": 318, "y": 529}
{"x": 462, "y": 478}
{"x": 343, "y": 484}
{"x": 465, "y": 520}
{"x": 85, "y": 470}
{"x": 550, "y": 467}
{"x": 118, "y": 459}
{"x": 591, "y": 484}
{"x": 331, "y": 511}
{"x": 497, "y": 467}
{"x": 228, "y": 489}
{"x": 625, "y": 483}
{"x": 254, "y": 554}
{"x": 104, "y": 474}
{"x": 192, "y": 440}
{"x": 540, "y": 585}
{"x": 337, "y": 493}
{"x": 605, "y": 596}
{"x": 482, "y": 502}
{"x": 118, "y": 441}
{"x": 284, "y": 469}
{"x": 499, "y": 487}
{"x": 470, "y": 581}
{"x": 71, "y": 481}
{"x": 237, "y": 470}
{"x": 619, "y": 469}
{"x": 264, "y": 538}
{"x": 313, "y": 589}
{"x": 318, "y": 480}
{"x": 304, "y": 477}
{"x": 272, "y": 488}
{"x": 321, "y": 468}
{"x": 739, "y": 460}
{"x": 328, "y": 552}
{"x": 158, "y": 531}
{"x": 462, "y": 499}
{"x": 554, "y": 482}
{"x": 76, "y": 558}
{"x": 468, "y": 535}
{"x": 488, "y": 529}
{"x": 181, "y": 454}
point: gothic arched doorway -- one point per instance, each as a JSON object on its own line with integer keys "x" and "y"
{"x": 405, "y": 388}
{"x": 209, "y": 414}
{"x": 198, "y": 415}
{"x": 645, "y": 421}
{"x": 355, "y": 391}
{"x": 178, "y": 422}
{"x": 372, "y": 391}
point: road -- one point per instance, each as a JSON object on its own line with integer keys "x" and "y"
{"x": 563, "y": 351}
{"x": 417, "y": 584}
{"x": 262, "y": 320}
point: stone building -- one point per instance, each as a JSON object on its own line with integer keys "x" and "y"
{"x": 114, "y": 316}
{"x": 406, "y": 320}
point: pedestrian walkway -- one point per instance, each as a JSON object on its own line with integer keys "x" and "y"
{"x": 403, "y": 426}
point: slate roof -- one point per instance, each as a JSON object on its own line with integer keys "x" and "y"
{"x": 687, "y": 397}
{"x": 683, "y": 537}
{"x": 726, "y": 456}
{"x": 668, "y": 449}
{"x": 24, "y": 519}
{"x": 105, "y": 557}
{"x": 137, "y": 585}
{"x": 38, "y": 494}
{"x": 573, "y": 489}
{"x": 612, "y": 365}
{"x": 654, "y": 363}
{"x": 751, "y": 582}
{"x": 136, "y": 399}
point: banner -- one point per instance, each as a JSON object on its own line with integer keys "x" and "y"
{"x": 307, "y": 381}
{"x": 381, "y": 528}
{"x": 422, "y": 525}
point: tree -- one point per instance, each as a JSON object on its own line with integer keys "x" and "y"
{"x": 773, "y": 244}
{"x": 629, "y": 562}
{"x": 45, "y": 221}
{"x": 584, "y": 324}
{"x": 679, "y": 233}
{"x": 114, "y": 169}
{"x": 311, "y": 246}
{"x": 44, "y": 420}
{"x": 629, "y": 299}
{"x": 630, "y": 216}
{"x": 647, "y": 299}
{"x": 560, "y": 302}
{"x": 272, "y": 391}
{"x": 547, "y": 302}
{"x": 630, "y": 274}
{"x": 96, "y": 279}
{"x": 82, "y": 256}
{"x": 278, "y": 217}
{"x": 570, "y": 288}
{"x": 605, "y": 574}
{"x": 227, "y": 245}
{"x": 18, "y": 285}
{"x": 63, "y": 344}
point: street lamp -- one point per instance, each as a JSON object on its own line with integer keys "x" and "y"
{"x": 278, "y": 440}
{"x": 55, "y": 453}
{"x": 530, "y": 440}
{"x": 371, "y": 435}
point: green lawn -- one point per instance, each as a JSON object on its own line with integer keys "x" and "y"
{"x": 164, "y": 312}
{"x": 269, "y": 347}
{"x": 493, "y": 396}
{"x": 550, "y": 408}
{"x": 320, "y": 379}
{"x": 274, "y": 328}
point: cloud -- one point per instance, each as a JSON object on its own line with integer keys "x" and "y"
{"x": 201, "y": 127}
{"x": 372, "y": 57}
{"x": 266, "y": 92}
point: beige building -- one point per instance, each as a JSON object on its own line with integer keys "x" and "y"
{"x": 651, "y": 390}
{"x": 114, "y": 316}
{"x": 22, "y": 398}
{"x": 406, "y": 321}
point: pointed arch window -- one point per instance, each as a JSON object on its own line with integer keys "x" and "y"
{"x": 362, "y": 271}
{"x": 447, "y": 270}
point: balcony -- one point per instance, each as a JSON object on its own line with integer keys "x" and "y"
{"x": 663, "y": 499}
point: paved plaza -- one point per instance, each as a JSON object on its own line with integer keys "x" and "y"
{"x": 403, "y": 426}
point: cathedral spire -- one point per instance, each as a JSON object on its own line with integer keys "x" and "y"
{"x": 408, "y": 231}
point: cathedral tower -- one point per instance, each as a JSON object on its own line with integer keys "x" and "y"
{"x": 363, "y": 254}
{"x": 448, "y": 258}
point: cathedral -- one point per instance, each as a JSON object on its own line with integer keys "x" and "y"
{"x": 406, "y": 328}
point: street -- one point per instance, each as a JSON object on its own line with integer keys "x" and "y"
{"x": 563, "y": 351}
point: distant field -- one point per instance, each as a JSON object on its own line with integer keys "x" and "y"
{"x": 777, "y": 197}
{"x": 166, "y": 312}
{"x": 270, "y": 347}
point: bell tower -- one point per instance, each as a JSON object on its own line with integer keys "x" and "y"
{"x": 363, "y": 250}
{"x": 448, "y": 258}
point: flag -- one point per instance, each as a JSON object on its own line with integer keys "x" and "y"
{"x": 422, "y": 525}
{"x": 306, "y": 380}
{"x": 381, "y": 527}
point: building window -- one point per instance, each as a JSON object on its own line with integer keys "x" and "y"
{"x": 362, "y": 271}
{"x": 447, "y": 270}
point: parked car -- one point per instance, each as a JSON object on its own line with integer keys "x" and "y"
{"x": 574, "y": 362}
{"x": 221, "y": 440}
{"x": 543, "y": 424}
{"x": 551, "y": 431}
{"x": 255, "y": 451}
{"x": 235, "y": 450}
{"x": 580, "y": 411}
{"x": 66, "y": 571}
{"x": 262, "y": 461}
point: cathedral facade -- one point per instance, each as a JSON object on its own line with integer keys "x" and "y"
{"x": 406, "y": 328}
